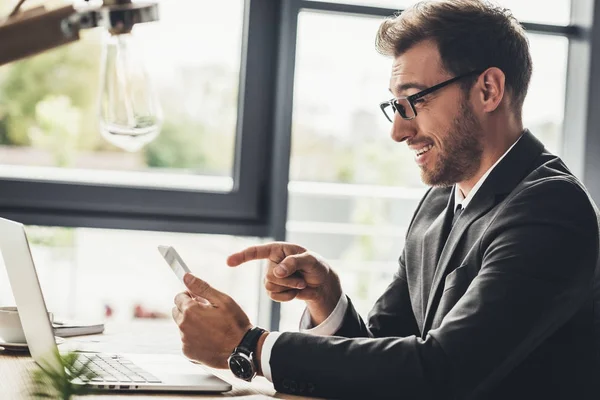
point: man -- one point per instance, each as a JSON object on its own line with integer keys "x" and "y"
{"x": 493, "y": 295}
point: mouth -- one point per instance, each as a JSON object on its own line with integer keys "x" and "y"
{"x": 421, "y": 154}
{"x": 424, "y": 150}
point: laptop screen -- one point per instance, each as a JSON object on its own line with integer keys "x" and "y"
{"x": 27, "y": 293}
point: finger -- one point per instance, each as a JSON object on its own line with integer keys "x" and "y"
{"x": 183, "y": 301}
{"x": 292, "y": 282}
{"x": 289, "y": 265}
{"x": 177, "y": 316}
{"x": 198, "y": 287}
{"x": 199, "y": 299}
{"x": 296, "y": 262}
{"x": 275, "y": 252}
{"x": 284, "y": 296}
{"x": 307, "y": 294}
{"x": 250, "y": 253}
{"x": 271, "y": 287}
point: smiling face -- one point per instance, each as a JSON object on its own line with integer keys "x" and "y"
{"x": 446, "y": 135}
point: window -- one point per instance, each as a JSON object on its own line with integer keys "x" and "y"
{"x": 352, "y": 189}
{"x": 338, "y": 132}
{"x": 49, "y": 123}
{"x": 206, "y": 171}
{"x": 544, "y": 108}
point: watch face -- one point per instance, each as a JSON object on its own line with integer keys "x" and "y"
{"x": 241, "y": 366}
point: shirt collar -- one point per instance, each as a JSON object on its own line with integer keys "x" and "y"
{"x": 464, "y": 201}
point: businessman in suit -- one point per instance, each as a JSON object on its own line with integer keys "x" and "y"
{"x": 494, "y": 293}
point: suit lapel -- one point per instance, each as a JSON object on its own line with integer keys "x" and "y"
{"x": 503, "y": 179}
{"x": 433, "y": 243}
{"x": 470, "y": 214}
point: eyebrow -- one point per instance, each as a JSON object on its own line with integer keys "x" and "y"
{"x": 409, "y": 85}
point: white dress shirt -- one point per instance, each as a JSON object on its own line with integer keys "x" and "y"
{"x": 334, "y": 322}
{"x": 459, "y": 198}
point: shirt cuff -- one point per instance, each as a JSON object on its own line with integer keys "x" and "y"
{"x": 265, "y": 354}
{"x": 331, "y": 325}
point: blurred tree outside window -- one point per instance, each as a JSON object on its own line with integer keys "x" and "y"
{"x": 49, "y": 102}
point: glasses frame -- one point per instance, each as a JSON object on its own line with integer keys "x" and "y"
{"x": 410, "y": 99}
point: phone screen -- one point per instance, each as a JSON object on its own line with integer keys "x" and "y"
{"x": 174, "y": 260}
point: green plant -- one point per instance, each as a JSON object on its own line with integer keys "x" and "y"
{"x": 68, "y": 380}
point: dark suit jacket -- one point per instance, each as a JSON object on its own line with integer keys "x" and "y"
{"x": 501, "y": 310}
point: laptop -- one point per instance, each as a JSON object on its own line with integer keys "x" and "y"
{"x": 114, "y": 372}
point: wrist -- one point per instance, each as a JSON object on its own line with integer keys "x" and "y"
{"x": 244, "y": 362}
{"x": 322, "y": 308}
{"x": 258, "y": 354}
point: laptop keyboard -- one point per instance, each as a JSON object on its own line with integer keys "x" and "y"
{"x": 113, "y": 368}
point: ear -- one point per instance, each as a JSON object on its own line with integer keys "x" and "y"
{"x": 490, "y": 88}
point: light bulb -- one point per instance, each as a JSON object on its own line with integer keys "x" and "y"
{"x": 130, "y": 114}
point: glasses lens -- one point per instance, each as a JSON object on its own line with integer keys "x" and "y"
{"x": 404, "y": 109}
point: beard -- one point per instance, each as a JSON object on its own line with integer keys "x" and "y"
{"x": 460, "y": 157}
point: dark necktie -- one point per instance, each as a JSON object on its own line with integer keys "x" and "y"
{"x": 457, "y": 213}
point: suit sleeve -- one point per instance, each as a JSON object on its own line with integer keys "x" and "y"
{"x": 538, "y": 261}
{"x": 392, "y": 314}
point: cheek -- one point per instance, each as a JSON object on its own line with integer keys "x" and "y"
{"x": 437, "y": 118}
{"x": 434, "y": 129}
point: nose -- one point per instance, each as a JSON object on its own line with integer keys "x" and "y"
{"x": 402, "y": 129}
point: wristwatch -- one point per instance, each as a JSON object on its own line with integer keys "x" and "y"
{"x": 242, "y": 361}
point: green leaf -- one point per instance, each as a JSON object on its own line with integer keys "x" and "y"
{"x": 52, "y": 382}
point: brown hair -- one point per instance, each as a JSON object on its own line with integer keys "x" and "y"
{"x": 470, "y": 34}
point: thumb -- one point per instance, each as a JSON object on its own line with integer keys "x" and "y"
{"x": 200, "y": 288}
{"x": 289, "y": 265}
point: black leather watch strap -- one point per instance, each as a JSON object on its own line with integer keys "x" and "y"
{"x": 250, "y": 340}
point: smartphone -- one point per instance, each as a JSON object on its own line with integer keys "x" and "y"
{"x": 174, "y": 260}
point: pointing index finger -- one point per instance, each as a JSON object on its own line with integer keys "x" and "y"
{"x": 275, "y": 252}
{"x": 250, "y": 253}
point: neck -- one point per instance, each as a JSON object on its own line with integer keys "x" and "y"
{"x": 495, "y": 146}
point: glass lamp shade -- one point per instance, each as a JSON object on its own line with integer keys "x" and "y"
{"x": 130, "y": 114}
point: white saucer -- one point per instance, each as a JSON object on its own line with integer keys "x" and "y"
{"x": 23, "y": 346}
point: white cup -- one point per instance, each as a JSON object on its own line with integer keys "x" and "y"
{"x": 11, "y": 330}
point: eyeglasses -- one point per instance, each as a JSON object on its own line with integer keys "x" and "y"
{"x": 405, "y": 106}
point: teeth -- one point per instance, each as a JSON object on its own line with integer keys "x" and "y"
{"x": 424, "y": 149}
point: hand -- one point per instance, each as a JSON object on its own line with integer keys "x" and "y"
{"x": 295, "y": 273}
{"x": 211, "y": 329}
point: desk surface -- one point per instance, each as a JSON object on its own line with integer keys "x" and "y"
{"x": 158, "y": 337}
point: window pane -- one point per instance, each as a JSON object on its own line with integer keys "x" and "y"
{"x": 353, "y": 190}
{"x": 49, "y": 109}
{"x": 120, "y": 275}
{"x": 556, "y": 12}
{"x": 339, "y": 133}
{"x": 544, "y": 107}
